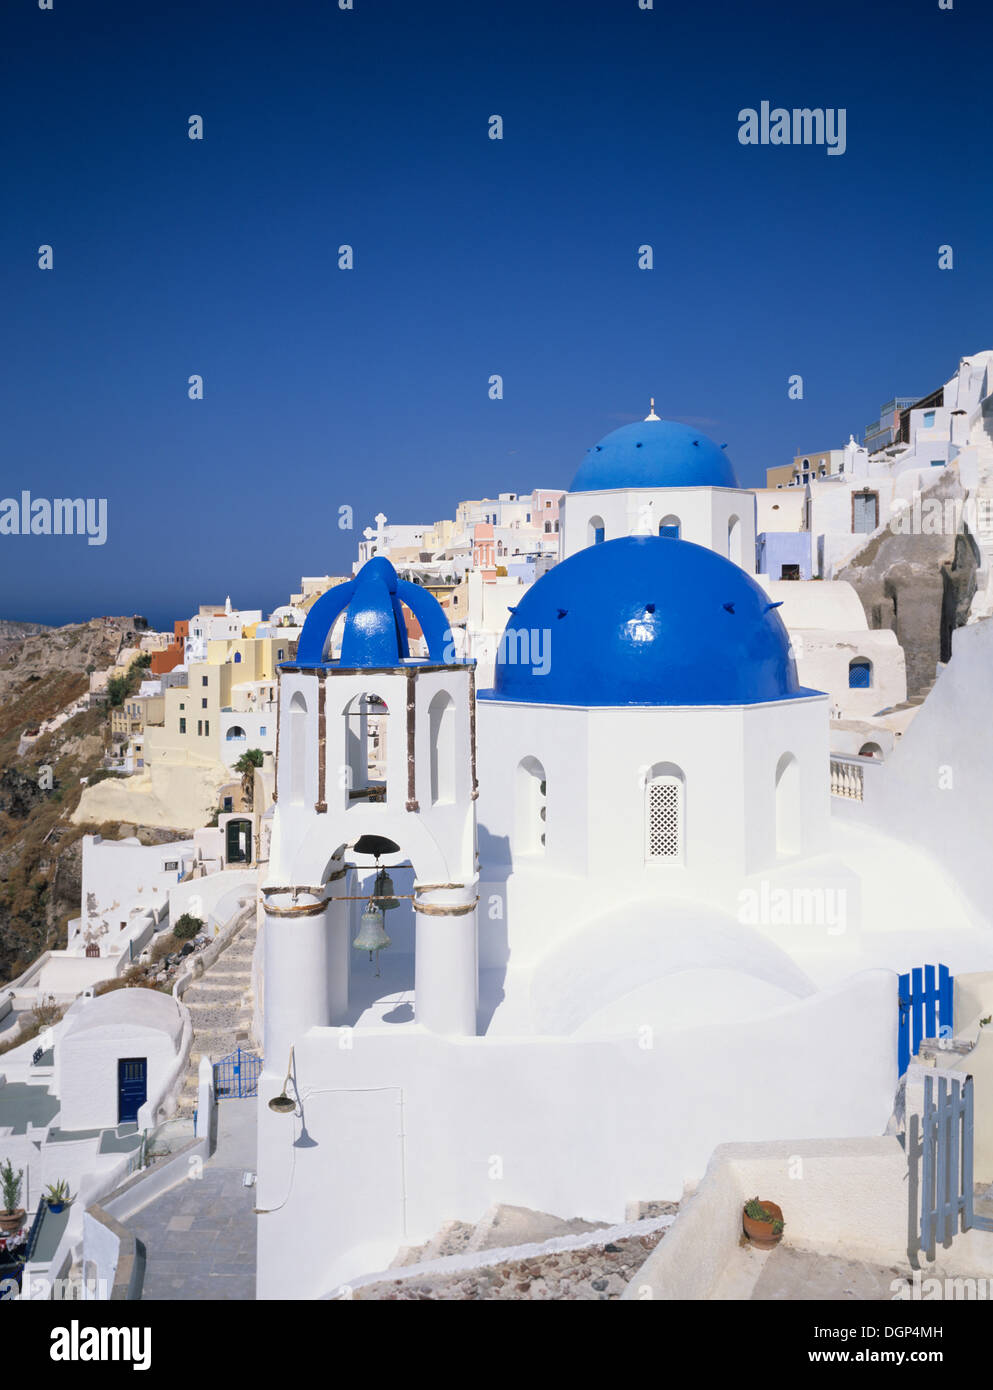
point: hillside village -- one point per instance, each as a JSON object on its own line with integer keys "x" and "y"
{"x": 195, "y": 826}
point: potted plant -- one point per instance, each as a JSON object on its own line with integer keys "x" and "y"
{"x": 57, "y": 1195}
{"x": 764, "y": 1224}
{"x": 12, "y": 1216}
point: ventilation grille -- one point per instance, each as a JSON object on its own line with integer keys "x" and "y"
{"x": 663, "y": 819}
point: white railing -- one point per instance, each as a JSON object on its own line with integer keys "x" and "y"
{"x": 847, "y": 778}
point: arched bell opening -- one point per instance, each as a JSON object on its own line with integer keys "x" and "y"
{"x": 376, "y": 897}
{"x": 441, "y": 727}
{"x": 366, "y": 719}
{"x": 298, "y": 748}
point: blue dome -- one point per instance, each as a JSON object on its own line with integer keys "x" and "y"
{"x": 654, "y": 453}
{"x": 374, "y": 633}
{"x": 645, "y": 620}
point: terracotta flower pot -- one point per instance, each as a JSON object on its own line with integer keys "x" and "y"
{"x": 11, "y": 1221}
{"x": 760, "y": 1233}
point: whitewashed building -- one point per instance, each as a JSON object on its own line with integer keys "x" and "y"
{"x": 627, "y": 927}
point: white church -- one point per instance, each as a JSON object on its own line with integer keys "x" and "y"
{"x": 549, "y": 943}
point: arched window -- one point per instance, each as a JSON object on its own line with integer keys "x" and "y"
{"x": 669, "y": 526}
{"x": 531, "y": 806}
{"x": 665, "y": 788}
{"x": 441, "y": 721}
{"x": 870, "y": 750}
{"x": 596, "y": 532}
{"x": 366, "y": 718}
{"x": 236, "y": 734}
{"x": 788, "y": 810}
{"x": 734, "y": 540}
{"x": 860, "y": 673}
{"x": 298, "y": 748}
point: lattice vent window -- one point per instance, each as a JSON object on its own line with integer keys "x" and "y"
{"x": 664, "y": 819}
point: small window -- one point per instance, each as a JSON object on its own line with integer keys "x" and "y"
{"x": 262, "y": 731}
{"x": 200, "y": 728}
{"x": 228, "y": 803}
{"x": 206, "y": 726}
{"x": 203, "y": 680}
{"x": 860, "y": 674}
{"x": 182, "y": 725}
{"x": 937, "y": 463}
{"x": 665, "y": 816}
{"x": 928, "y": 419}
{"x": 203, "y": 703}
{"x": 790, "y": 572}
{"x": 182, "y": 705}
{"x": 279, "y": 654}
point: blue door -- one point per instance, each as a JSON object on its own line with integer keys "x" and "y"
{"x": 132, "y": 1088}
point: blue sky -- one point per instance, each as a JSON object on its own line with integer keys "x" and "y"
{"x": 369, "y": 387}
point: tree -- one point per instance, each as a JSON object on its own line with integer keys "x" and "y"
{"x": 117, "y": 691}
{"x": 246, "y": 765}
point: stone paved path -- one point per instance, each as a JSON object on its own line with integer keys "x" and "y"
{"x": 199, "y": 1237}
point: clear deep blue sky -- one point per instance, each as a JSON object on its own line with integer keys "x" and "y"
{"x": 369, "y": 387}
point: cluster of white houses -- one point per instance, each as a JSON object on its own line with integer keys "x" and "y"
{"x": 555, "y": 859}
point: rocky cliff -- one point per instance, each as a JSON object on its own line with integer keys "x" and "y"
{"x": 41, "y": 673}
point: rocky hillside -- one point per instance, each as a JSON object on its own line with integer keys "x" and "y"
{"x": 42, "y": 672}
{"x": 920, "y": 586}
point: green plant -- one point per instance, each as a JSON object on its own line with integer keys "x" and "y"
{"x": 11, "y": 1184}
{"x": 58, "y": 1191}
{"x": 757, "y": 1212}
{"x": 187, "y": 927}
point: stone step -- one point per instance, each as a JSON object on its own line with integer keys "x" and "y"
{"x": 453, "y": 1239}
{"x": 506, "y": 1225}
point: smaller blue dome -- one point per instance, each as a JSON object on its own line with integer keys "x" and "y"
{"x": 654, "y": 453}
{"x": 374, "y": 634}
{"x": 645, "y": 620}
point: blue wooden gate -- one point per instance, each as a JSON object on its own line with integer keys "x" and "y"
{"x": 947, "y": 1134}
{"x": 926, "y": 1009}
{"x": 237, "y": 1075}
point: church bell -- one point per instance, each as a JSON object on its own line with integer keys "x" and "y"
{"x": 383, "y": 892}
{"x": 371, "y": 937}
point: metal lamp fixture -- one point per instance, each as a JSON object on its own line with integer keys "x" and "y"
{"x": 282, "y": 1104}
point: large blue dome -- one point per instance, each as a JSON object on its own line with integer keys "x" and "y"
{"x": 654, "y": 453}
{"x": 374, "y": 632}
{"x": 645, "y": 620}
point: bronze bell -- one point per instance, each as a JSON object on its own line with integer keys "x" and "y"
{"x": 371, "y": 935}
{"x": 383, "y": 892}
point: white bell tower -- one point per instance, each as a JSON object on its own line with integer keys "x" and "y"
{"x": 375, "y": 743}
